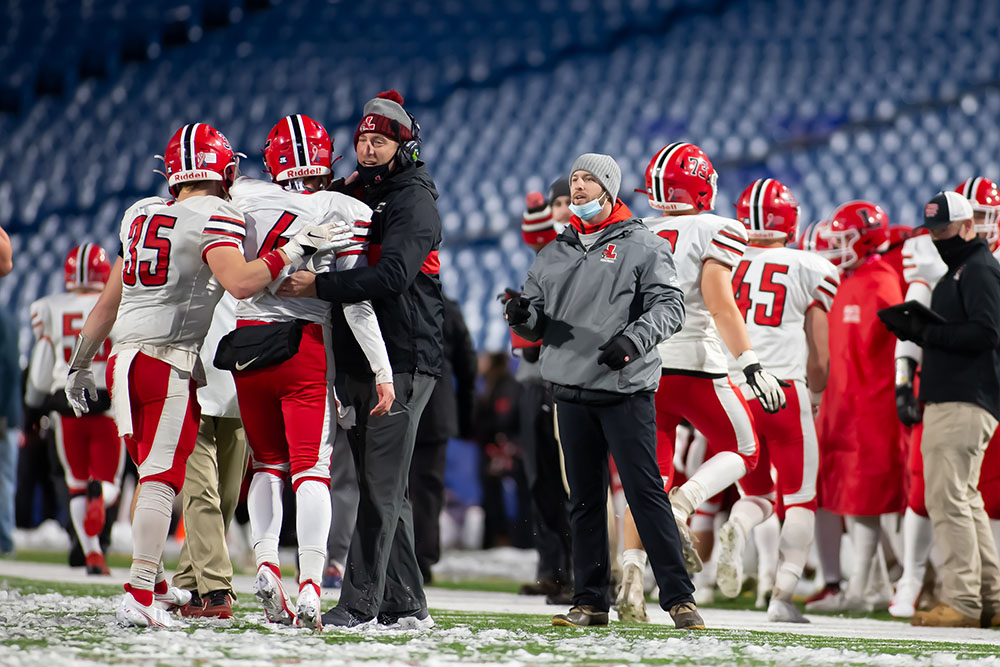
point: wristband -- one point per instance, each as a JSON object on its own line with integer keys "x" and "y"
{"x": 748, "y": 358}
{"x": 84, "y": 352}
{"x": 275, "y": 262}
{"x": 904, "y": 370}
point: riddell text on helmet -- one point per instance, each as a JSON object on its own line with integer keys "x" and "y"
{"x": 299, "y": 172}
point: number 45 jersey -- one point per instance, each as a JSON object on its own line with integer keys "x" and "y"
{"x": 774, "y": 288}
{"x": 168, "y": 291}
{"x": 274, "y": 215}
{"x": 695, "y": 239}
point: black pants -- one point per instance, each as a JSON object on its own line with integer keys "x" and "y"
{"x": 628, "y": 430}
{"x": 426, "y": 497}
{"x": 550, "y": 504}
{"x": 382, "y": 573}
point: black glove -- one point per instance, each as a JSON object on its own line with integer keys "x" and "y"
{"x": 914, "y": 330}
{"x": 618, "y": 352}
{"x": 907, "y": 406}
{"x": 516, "y": 309}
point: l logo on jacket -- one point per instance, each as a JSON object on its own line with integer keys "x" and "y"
{"x": 609, "y": 254}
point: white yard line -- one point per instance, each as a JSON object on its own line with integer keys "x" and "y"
{"x": 486, "y": 602}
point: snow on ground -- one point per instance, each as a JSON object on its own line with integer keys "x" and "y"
{"x": 72, "y": 630}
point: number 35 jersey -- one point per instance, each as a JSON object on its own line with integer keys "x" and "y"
{"x": 168, "y": 291}
{"x": 774, "y": 288}
{"x": 274, "y": 215}
{"x": 695, "y": 239}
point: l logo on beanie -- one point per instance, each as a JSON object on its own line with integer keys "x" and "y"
{"x": 385, "y": 115}
{"x": 368, "y": 124}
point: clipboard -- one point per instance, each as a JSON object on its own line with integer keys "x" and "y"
{"x": 904, "y": 315}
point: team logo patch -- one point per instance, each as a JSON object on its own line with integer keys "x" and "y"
{"x": 368, "y": 124}
{"x": 283, "y": 159}
{"x": 931, "y": 210}
{"x": 609, "y": 254}
{"x": 202, "y": 158}
{"x": 852, "y": 314}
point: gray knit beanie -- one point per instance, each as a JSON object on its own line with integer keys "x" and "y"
{"x": 605, "y": 170}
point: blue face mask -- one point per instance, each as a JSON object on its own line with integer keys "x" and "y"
{"x": 588, "y": 210}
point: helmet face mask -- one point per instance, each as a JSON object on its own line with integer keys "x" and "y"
{"x": 856, "y": 230}
{"x": 680, "y": 177}
{"x": 984, "y": 195}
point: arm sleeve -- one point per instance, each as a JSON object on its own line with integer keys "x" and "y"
{"x": 534, "y": 328}
{"x": 727, "y": 244}
{"x": 980, "y": 290}
{"x": 224, "y": 227}
{"x": 361, "y": 318}
{"x": 662, "y": 300}
{"x": 408, "y": 236}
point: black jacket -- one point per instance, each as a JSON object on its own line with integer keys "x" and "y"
{"x": 450, "y": 410}
{"x": 401, "y": 279}
{"x": 962, "y": 357}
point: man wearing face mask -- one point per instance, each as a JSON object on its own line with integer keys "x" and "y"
{"x": 960, "y": 386}
{"x": 601, "y": 296}
{"x": 382, "y": 578}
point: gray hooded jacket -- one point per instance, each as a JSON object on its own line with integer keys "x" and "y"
{"x": 625, "y": 283}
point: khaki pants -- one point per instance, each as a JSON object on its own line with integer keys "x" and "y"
{"x": 954, "y": 440}
{"x": 211, "y": 491}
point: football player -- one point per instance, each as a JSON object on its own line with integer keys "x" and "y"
{"x": 289, "y": 409}
{"x": 91, "y": 453}
{"x": 861, "y": 453}
{"x": 695, "y": 385}
{"x": 784, "y": 295}
{"x": 178, "y": 255}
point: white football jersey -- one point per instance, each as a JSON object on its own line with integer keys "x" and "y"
{"x": 774, "y": 288}
{"x": 168, "y": 291}
{"x": 274, "y": 215}
{"x": 56, "y": 320}
{"x": 921, "y": 261}
{"x": 695, "y": 239}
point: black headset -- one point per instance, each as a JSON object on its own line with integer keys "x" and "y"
{"x": 409, "y": 150}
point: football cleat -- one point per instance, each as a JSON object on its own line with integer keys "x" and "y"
{"x": 730, "y": 572}
{"x": 780, "y": 611}
{"x": 631, "y": 601}
{"x": 904, "y": 602}
{"x": 308, "y": 614}
{"x": 173, "y": 599}
{"x": 268, "y": 589}
{"x": 96, "y": 564}
{"x": 132, "y": 613}
{"x": 692, "y": 561}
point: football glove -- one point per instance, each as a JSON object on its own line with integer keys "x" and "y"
{"x": 618, "y": 352}
{"x": 313, "y": 238}
{"x": 79, "y": 385}
{"x": 907, "y": 406}
{"x": 765, "y": 386}
{"x": 516, "y": 309}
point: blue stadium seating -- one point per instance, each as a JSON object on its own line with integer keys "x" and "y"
{"x": 889, "y": 101}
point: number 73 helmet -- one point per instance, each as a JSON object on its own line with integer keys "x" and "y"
{"x": 680, "y": 177}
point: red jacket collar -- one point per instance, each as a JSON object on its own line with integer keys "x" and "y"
{"x": 618, "y": 213}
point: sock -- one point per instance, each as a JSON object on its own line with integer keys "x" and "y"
{"x": 141, "y": 596}
{"x": 711, "y": 478}
{"x": 264, "y": 507}
{"x": 110, "y": 492}
{"x": 765, "y": 537}
{"x": 864, "y": 532}
{"x": 149, "y": 532}
{"x": 634, "y": 557}
{"x": 829, "y": 532}
{"x": 918, "y": 537}
{"x": 892, "y": 539}
{"x": 77, "y": 511}
{"x": 312, "y": 524}
{"x": 795, "y": 539}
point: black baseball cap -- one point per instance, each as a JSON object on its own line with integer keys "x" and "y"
{"x": 945, "y": 208}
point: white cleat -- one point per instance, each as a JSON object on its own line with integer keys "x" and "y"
{"x": 904, "y": 602}
{"x": 692, "y": 561}
{"x": 173, "y": 599}
{"x": 779, "y": 611}
{"x": 839, "y": 601}
{"x": 268, "y": 589}
{"x": 131, "y": 613}
{"x": 308, "y": 613}
{"x": 729, "y": 576}
{"x": 765, "y": 584}
{"x": 631, "y": 602}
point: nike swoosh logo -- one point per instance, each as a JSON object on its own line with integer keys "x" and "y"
{"x": 240, "y": 366}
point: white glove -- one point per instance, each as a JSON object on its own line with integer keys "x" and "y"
{"x": 313, "y": 238}
{"x": 79, "y": 385}
{"x": 765, "y": 386}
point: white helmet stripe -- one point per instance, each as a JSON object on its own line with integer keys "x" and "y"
{"x": 81, "y": 264}
{"x": 293, "y": 132}
{"x": 191, "y": 148}
{"x": 303, "y": 146}
{"x": 660, "y": 160}
{"x": 184, "y": 151}
{"x": 757, "y": 204}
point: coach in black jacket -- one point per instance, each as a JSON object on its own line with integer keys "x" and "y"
{"x": 382, "y": 577}
{"x": 960, "y": 384}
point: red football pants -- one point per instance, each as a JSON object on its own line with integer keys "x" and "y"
{"x": 89, "y": 448}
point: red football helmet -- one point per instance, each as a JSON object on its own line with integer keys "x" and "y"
{"x": 899, "y": 233}
{"x": 856, "y": 230}
{"x": 982, "y": 193}
{"x": 87, "y": 266}
{"x": 680, "y": 177}
{"x": 297, "y": 147}
{"x": 769, "y": 210}
{"x": 199, "y": 152}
